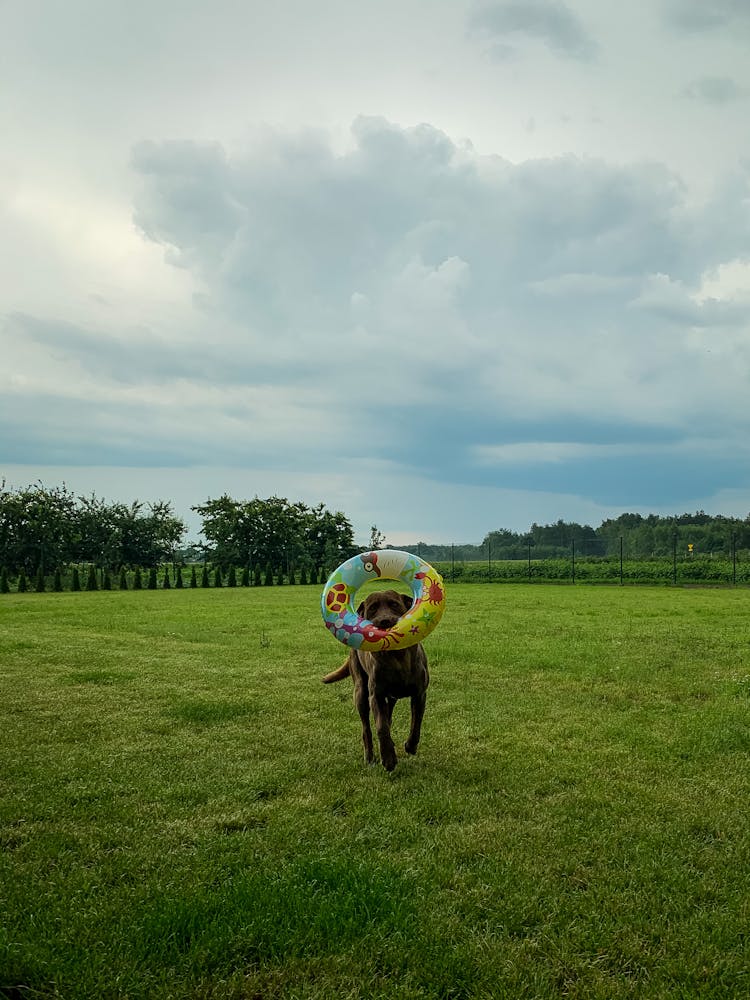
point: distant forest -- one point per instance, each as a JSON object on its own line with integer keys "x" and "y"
{"x": 652, "y": 536}
{"x": 44, "y": 529}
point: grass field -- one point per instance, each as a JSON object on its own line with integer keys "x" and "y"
{"x": 184, "y": 811}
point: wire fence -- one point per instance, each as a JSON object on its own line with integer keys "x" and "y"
{"x": 679, "y": 568}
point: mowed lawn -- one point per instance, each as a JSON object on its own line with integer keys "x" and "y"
{"x": 185, "y": 813}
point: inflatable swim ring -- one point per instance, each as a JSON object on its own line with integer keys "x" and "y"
{"x": 348, "y": 627}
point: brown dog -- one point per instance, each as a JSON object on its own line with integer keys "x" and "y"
{"x": 380, "y": 679}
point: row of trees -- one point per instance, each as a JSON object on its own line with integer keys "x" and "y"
{"x": 275, "y": 532}
{"x": 642, "y": 537}
{"x": 45, "y": 528}
{"x": 42, "y": 529}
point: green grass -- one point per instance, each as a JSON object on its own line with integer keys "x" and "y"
{"x": 184, "y": 811}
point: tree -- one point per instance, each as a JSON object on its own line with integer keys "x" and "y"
{"x": 193, "y": 578}
{"x": 257, "y": 576}
{"x": 218, "y": 580}
{"x": 152, "y": 578}
{"x": 57, "y": 581}
{"x": 39, "y": 584}
{"x": 123, "y": 578}
{"x": 268, "y": 582}
{"x": 232, "y": 577}
{"x": 165, "y": 584}
{"x": 137, "y": 579}
{"x": 377, "y": 539}
{"x": 106, "y": 580}
{"x": 204, "y": 576}
{"x": 91, "y": 583}
{"x": 246, "y": 576}
{"x": 75, "y": 583}
{"x": 178, "y": 579}
{"x": 4, "y": 585}
{"x": 21, "y": 585}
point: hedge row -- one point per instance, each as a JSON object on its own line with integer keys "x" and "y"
{"x": 89, "y": 577}
{"x": 601, "y": 570}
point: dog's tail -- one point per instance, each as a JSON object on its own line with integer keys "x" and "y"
{"x": 337, "y": 675}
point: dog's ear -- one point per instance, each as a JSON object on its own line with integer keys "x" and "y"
{"x": 406, "y": 601}
{"x": 361, "y": 610}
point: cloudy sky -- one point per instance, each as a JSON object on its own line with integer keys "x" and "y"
{"x": 447, "y": 266}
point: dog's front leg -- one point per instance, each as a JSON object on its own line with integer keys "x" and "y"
{"x": 381, "y": 711}
{"x": 418, "y": 703}
{"x": 362, "y": 701}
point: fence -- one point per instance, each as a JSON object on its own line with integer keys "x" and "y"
{"x": 678, "y": 569}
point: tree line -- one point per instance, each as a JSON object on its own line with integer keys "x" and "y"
{"x": 636, "y": 536}
{"x": 45, "y": 529}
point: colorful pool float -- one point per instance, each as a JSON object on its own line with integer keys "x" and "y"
{"x": 342, "y": 620}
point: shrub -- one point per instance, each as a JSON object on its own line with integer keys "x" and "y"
{"x": 246, "y": 576}
{"x": 22, "y": 584}
{"x": 137, "y": 579}
{"x": 75, "y": 583}
{"x": 106, "y": 580}
{"x": 4, "y": 585}
{"x": 204, "y": 576}
{"x": 166, "y": 585}
{"x": 218, "y": 579}
{"x": 178, "y": 578}
{"x": 39, "y": 584}
{"x": 91, "y": 583}
{"x": 57, "y": 585}
{"x": 257, "y": 576}
{"x": 232, "y": 578}
{"x": 303, "y": 576}
{"x": 193, "y": 579}
{"x": 123, "y": 578}
{"x": 268, "y": 582}
{"x": 152, "y": 578}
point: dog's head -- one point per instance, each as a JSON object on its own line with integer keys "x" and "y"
{"x": 384, "y": 608}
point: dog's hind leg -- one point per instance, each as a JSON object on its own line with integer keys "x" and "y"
{"x": 418, "y": 703}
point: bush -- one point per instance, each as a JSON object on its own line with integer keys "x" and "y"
{"x": 268, "y": 582}
{"x": 137, "y": 579}
{"x": 193, "y": 579}
{"x": 123, "y": 578}
{"x": 39, "y": 583}
{"x": 246, "y": 576}
{"x": 75, "y": 583}
{"x": 178, "y": 578}
{"x": 232, "y": 578}
{"x": 22, "y": 584}
{"x": 165, "y": 584}
{"x": 204, "y": 576}
{"x": 257, "y": 577}
{"x": 91, "y": 583}
{"x": 106, "y": 580}
{"x": 57, "y": 585}
{"x": 218, "y": 579}
{"x": 152, "y": 578}
{"x": 4, "y": 585}
{"x": 303, "y": 576}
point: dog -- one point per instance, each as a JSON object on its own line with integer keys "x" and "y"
{"x": 380, "y": 679}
